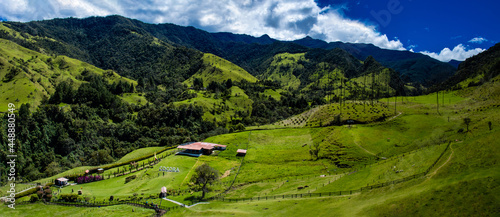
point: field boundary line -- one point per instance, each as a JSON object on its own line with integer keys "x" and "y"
{"x": 446, "y": 162}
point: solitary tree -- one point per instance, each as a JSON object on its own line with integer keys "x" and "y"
{"x": 467, "y": 122}
{"x": 314, "y": 151}
{"x": 204, "y": 175}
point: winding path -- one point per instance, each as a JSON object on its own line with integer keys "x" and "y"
{"x": 183, "y": 205}
{"x": 3, "y": 198}
{"x": 446, "y": 162}
{"x": 356, "y": 141}
{"x": 395, "y": 116}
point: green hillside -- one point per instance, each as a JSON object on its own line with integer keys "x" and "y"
{"x": 28, "y": 76}
{"x": 282, "y": 69}
{"x": 220, "y": 108}
{"x": 219, "y": 70}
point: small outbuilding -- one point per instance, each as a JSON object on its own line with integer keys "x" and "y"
{"x": 61, "y": 181}
{"x": 100, "y": 170}
{"x": 241, "y": 152}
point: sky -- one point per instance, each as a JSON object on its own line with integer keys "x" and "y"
{"x": 443, "y": 29}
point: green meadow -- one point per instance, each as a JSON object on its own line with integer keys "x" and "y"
{"x": 39, "y": 209}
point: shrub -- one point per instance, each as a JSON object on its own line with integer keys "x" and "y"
{"x": 111, "y": 198}
{"x": 69, "y": 197}
{"x": 130, "y": 178}
{"x": 47, "y": 191}
{"x": 87, "y": 179}
{"x": 34, "y": 198}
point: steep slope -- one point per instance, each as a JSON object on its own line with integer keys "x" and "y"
{"x": 28, "y": 76}
{"x": 476, "y": 70}
{"x": 218, "y": 69}
{"x": 112, "y": 42}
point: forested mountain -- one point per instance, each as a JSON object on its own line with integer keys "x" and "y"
{"x": 112, "y": 42}
{"x": 475, "y": 70}
{"x": 414, "y": 67}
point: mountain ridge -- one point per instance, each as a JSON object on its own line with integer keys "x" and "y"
{"x": 413, "y": 67}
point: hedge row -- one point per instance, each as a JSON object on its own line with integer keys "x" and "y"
{"x": 31, "y": 191}
{"x": 73, "y": 177}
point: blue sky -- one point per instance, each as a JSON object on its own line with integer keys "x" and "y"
{"x": 429, "y": 25}
{"x": 441, "y": 29}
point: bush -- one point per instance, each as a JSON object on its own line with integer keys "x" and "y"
{"x": 34, "y": 198}
{"x": 111, "y": 198}
{"x": 87, "y": 179}
{"x": 130, "y": 178}
{"x": 69, "y": 197}
{"x": 47, "y": 191}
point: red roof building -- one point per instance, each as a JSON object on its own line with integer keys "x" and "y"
{"x": 199, "y": 148}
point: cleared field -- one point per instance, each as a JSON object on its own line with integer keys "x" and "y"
{"x": 218, "y": 108}
{"x": 218, "y": 69}
{"x": 134, "y": 98}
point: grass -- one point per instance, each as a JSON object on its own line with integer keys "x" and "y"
{"x": 219, "y": 108}
{"x": 218, "y": 69}
{"x": 282, "y": 67}
{"x": 39, "y": 74}
{"x": 272, "y": 93}
{"x": 19, "y": 187}
{"x": 147, "y": 181}
{"x": 40, "y": 209}
{"x": 139, "y": 153}
{"x": 450, "y": 97}
{"x": 359, "y": 112}
{"x": 134, "y": 98}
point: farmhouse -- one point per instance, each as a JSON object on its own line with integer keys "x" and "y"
{"x": 196, "y": 149}
{"x": 61, "y": 181}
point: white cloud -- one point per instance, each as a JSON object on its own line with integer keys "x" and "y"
{"x": 280, "y": 19}
{"x": 459, "y": 52}
{"x": 478, "y": 40}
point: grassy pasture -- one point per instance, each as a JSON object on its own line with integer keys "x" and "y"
{"x": 218, "y": 69}
{"x": 139, "y": 153}
{"x": 148, "y": 181}
{"x": 40, "y": 209}
{"x": 134, "y": 98}
{"x": 219, "y": 108}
